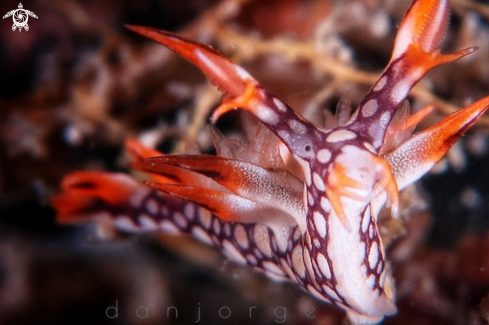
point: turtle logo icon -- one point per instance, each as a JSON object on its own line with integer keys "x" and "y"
{"x": 20, "y": 17}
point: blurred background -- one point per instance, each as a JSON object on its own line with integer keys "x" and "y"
{"x": 77, "y": 84}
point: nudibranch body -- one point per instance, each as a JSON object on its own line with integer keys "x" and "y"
{"x": 318, "y": 230}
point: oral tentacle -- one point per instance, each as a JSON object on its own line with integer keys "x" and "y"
{"x": 221, "y": 72}
{"x": 386, "y": 183}
{"x": 338, "y": 184}
{"x": 241, "y": 90}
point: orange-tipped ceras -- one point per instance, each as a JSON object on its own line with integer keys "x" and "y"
{"x": 319, "y": 232}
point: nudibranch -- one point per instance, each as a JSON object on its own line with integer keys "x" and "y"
{"x": 317, "y": 229}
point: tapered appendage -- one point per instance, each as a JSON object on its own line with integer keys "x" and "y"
{"x": 234, "y": 190}
{"x": 220, "y": 71}
{"x": 417, "y": 117}
{"x": 417, "y": 155}
{"x": 420, "y": 34}
{"x": 227, "y": 206}
{"x": 220, "y": 203}
{"x": 399, "y": 131}
{"x": 241, "y": 90}
{"x": 424, "y": 24}
{"x": 338, "y": 186}
{"x": 387, "y": 183}
{"x": 85, "y": 191}
{"x": 416, "y": 51}
{"x": 139, "y": 151}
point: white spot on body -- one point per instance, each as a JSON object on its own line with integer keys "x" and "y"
{"x": 330, "y": 293}
{"x": 280, "y": 105}
{"x": 251, "y": 260}
{"x": 217, "y": 227}
{"x": 147, "y": 222}
{"x": 271, "y": 267}
{"x": 320, "y": 224}
{"x": 340, "y": 135}
{"x": 205, "y": 218}
{"x": 373, "y": 255}
{"x": 123, "y": 222}
{"x": 310, "y": 198}
{"x": 152, "y": 206}
{"x": 317, "y": 243}
{"x": 262, "y": 240}
{"x": 297, "y": 127}
{"x": 180, "y": 220}
{"x": 400, "y": 91}
{"x": 325, "y": 204}
{"x": 202, "y": 235}
{"x": 370, "y": 108}
{"x": 375, "y": 132}
{"x": 324, "y": 155}
{"x": 385, "y": 119}
{"x": 189, "y": 210}
{"x": 241, "y": 237}
{"x": 324, "y": 266}
{"x": 267, "y": 115}
{"x": 380, "y": 84}
{"x": 232, "y": 252}
{"x": 169, "y": 227}
{"x": 379, "y": 268}
{"x": 318, "y": 182}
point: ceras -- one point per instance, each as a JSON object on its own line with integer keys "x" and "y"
{"x": 318, "y": 230}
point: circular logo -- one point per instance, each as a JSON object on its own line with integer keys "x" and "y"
{"x": 20, "y": 17}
